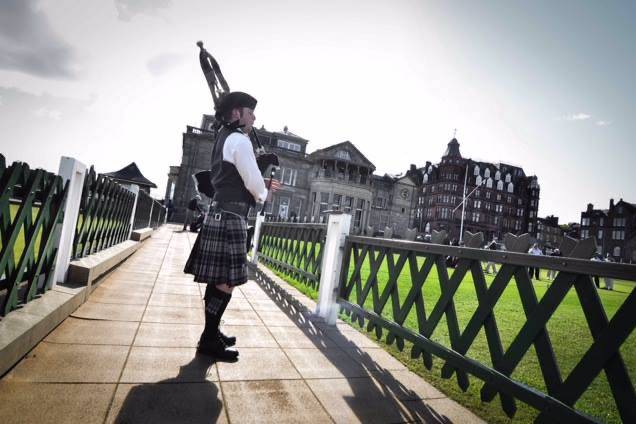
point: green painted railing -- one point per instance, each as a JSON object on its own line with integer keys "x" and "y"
{"x": 104, "y": 215}
{"x": 143, "y": 211}
{"x": 31, "y": 207}
{"x": 408, "y": 291}
{"x": 294, "y": 249}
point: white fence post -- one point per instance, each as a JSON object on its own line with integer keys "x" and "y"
{"x": 74, "y": 172}
{"x": 152, "y": 205}
{"x": 257, "y": 233}
{"x": 134, "y": 188}
{"x": 337, "y": 230}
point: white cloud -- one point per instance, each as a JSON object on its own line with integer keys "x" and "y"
{"x": 603, "y": 123}
{"x": 164, "y": 63}
{"x": 577, "y": 117}
{"x": 45, "y": 112}
{"x": 126, "y": 9}
{"x": 28, "y": 43}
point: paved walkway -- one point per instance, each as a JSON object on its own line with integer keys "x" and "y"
{"x": 128, "y": 355}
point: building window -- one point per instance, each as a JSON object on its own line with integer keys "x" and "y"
{"x": 324, "y": 202}
{"x": 337, "y": 200}
{"x": 288, "y": 145}
{"x": 498, "y": 197}
{"x": 487, "y": 173}
{"x": 498, "y": 176}
{"x": 489, "y": 182}
{"x": 618, "y": 234}
{"x": 487, "y": 195}
{"x": 289, "y": 176}
{"x": 283, "y": 207}
{"x": 508, "y": 177}
{"x": 585, "y": 222}
{"x": 343, "y": 154}
{"x": 477, "y": 204}
{"x": 510, "y": 187}
{"x": 499, "y": 185}
{"x": 619, "y": 222}
{"x": 476, "y": 170}
{"x": 600, "y": 234}
{"x": 498, "y": 208}
{"x": 617, "y": 251}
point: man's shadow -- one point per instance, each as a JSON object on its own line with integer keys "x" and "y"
{"x": 186, "y": 398}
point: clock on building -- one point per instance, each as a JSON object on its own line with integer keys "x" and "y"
{"x": 404, "y": 193}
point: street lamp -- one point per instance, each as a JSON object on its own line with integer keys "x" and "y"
{"x": 463, "y": 203}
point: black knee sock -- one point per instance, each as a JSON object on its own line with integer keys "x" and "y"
{"x": 215, "y": 303}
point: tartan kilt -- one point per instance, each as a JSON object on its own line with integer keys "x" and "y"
{"x": 219, "y": 254}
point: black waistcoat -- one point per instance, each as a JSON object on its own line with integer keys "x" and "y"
{"x": 226, "y": 180}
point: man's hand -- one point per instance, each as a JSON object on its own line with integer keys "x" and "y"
{"x": 272, "y": 186}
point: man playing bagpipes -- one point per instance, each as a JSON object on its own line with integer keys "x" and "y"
{"x": 219, "y": 256}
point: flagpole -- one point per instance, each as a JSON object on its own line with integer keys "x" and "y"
{"x": 461, "y": 227}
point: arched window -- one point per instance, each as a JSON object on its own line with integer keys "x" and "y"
{"x": 478, "y": 180}
{"x": 510, "y": 188}
{"x": 617, "y": 251}
{"x": 425, "y": 178}
{"x": 499, "y": 185}
{"x": 489, "y": 182}
{"x": 487, "y": 173}
{"x": 476, "y": 172}
{"x": 508, "y": 177}
{"x": 497, "y": 175}
{"x": 430, "y": 169}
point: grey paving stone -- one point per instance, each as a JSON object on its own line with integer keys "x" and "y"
{"x": 176, "y": 315}
{"x": 258, "y": 364}
{"x": 168, "y": 335}
{"x": 281, "y": 401}
{"x": 109, "y": 311}
{"x": 82, "y": 331}
{"x": 154, "y": 364}
{"x": 54, "y": 403}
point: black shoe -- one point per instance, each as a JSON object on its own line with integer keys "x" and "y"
{"x": 218, "y": 351}
{"x": 227, "y": 340}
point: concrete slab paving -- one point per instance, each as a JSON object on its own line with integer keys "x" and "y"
{"x": 128, "y": 355}
{"x": 109, "y": 311}
{"x": 54, "y": 403}
{"x": 168, "y": 334}
{"x": 70, "y": 363}
{"x": 95, "y": 332}
{"x": 280, "y": 401}
{"x": 154, "y": 364}
{"x": 173, "y": 314}
{"x": 259, "y": 364}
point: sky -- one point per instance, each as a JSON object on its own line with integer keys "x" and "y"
{"x": 545, "y": 85}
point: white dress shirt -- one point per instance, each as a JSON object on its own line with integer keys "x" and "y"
{"x": 237, "y": 150}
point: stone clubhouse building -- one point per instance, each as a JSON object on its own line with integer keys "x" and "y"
{"x": 340, "y": 177}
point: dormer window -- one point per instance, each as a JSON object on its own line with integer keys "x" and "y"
{"x": 497, "y": 175}
{"x": 288, "y": 145}
{"x": 487, "y": 173}
{"x": 343, "y": 154}
{"x": 508, "y": 177}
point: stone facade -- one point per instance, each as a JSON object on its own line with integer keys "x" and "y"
{"x": 549, "y": 233}
{"x": 338, "y": 177}
{"x": 613, "y": 228}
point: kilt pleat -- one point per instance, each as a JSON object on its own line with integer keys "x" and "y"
{"x": 219, "y": 254}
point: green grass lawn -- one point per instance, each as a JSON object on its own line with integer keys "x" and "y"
{"x": 567, "y": 329}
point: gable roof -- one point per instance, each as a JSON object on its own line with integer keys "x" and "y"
{"x": 131, "y": 174}
{"x": 325, "y": 153}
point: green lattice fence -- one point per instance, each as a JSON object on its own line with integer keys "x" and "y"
{"x": 104, "y": 215}
{"x": 143, "y": 210}
{"x": 31, "y": 207}
{"x": 294, "y": 249}
{"x": 406, "y": 291}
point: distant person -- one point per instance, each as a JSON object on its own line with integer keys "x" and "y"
{"x": 490, "y": 265}
{"x": 596, "y": 258}
{"x": 609, "y": 282}
{"x": 552, "y": 273}
{"x": 451, "y": 261}
{"x": 535, "y": 251}
{"x": 169, "y": 210}
{"x": 193, "y": 210}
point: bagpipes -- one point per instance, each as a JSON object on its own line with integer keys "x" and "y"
{"x": 267, "y": 162}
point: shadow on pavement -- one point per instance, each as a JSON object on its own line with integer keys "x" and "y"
{"x": 390, "y": 389}
{"x": 193, "y": 400}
